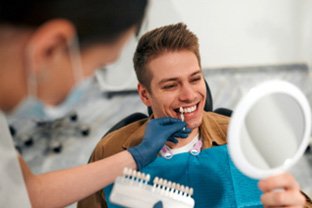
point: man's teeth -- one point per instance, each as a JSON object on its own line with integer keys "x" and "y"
{"x": 188, "y": 110}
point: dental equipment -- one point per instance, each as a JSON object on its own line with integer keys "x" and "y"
{"x": 181, "y": 111}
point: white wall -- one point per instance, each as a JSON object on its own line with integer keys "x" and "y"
{"x": 306, "y": 31}
{"x": 242, "y": 32}
{"x": 234, "y": 32}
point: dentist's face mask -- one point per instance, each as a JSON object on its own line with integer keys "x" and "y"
{"x": 33, "y": 108}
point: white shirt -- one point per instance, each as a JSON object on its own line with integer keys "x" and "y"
{"x": 193, "y": 147}
{"x": 186, "y": 148}
{"x": 13, "y": 191}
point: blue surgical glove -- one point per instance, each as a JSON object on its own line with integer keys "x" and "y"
{"x": 158, "y": 204}
{"x": 157, "y": 133}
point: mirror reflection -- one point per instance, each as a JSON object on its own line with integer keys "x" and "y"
{"x": 272, "y": 131}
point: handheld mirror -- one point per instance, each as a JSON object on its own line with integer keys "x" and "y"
{"x": 269, "y": 129}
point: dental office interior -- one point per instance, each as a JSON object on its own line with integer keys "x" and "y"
{"x": 242, "y": 43}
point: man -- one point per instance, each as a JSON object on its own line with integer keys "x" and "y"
{"x": 41, "y": 63}
{"x": 171, "y": 82}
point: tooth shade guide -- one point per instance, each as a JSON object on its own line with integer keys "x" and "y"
{"x": 133, "y": 190}
{"x": 181, "y": 111}
{"x": 182, "y": 117}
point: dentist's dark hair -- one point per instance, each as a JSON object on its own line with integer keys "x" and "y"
{"x": 95, "y": 20}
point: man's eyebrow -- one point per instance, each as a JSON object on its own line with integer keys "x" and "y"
{"x": 168, "y": 80}
{"x": 172, "y": 79}
{"x": 197, "y": 72}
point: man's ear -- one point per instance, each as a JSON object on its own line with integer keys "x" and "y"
{"x": 50, "y": 38}
{"x": 144, "y": 95}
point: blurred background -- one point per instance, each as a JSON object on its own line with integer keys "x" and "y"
{"x": 242, "y": 43}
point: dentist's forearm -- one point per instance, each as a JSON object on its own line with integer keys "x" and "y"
{"x": 64, "y": 187}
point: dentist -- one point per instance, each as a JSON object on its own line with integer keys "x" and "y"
{"x": 43, "y": 44}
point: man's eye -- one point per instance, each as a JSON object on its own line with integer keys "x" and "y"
{"x": 195, "y": 80}
{"x": 168, "y": 87}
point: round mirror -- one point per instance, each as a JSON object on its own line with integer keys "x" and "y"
{"x": 269, "y": 129}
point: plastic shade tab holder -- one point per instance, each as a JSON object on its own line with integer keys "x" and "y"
{"x": 132, "y": 190}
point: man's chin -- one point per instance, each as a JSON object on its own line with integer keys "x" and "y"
{"x": 193, "y": 125}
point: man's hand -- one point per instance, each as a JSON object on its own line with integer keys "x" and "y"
{"x": 157, "y": 133}
{"x": 281, "y": 191}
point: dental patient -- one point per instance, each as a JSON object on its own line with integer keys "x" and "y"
{"x": 171, "y": 82}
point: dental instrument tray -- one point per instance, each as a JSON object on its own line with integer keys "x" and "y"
{"x": 132, "y": 190}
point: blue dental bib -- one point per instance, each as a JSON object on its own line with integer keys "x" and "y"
{"x": 212, "y": 175}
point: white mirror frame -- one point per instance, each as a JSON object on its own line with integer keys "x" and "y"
{"x": 238, "y": 118}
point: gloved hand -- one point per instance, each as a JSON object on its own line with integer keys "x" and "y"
{"x": 158, "y": 204}
{"x": 157, "y": 133}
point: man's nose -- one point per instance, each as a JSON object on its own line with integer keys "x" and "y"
{"x": 187, "y": 93}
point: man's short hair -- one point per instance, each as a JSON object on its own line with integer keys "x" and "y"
{"x": 170, "y": 38}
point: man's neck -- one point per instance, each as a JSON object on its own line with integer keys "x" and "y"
{"x": 184, "y": 141}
